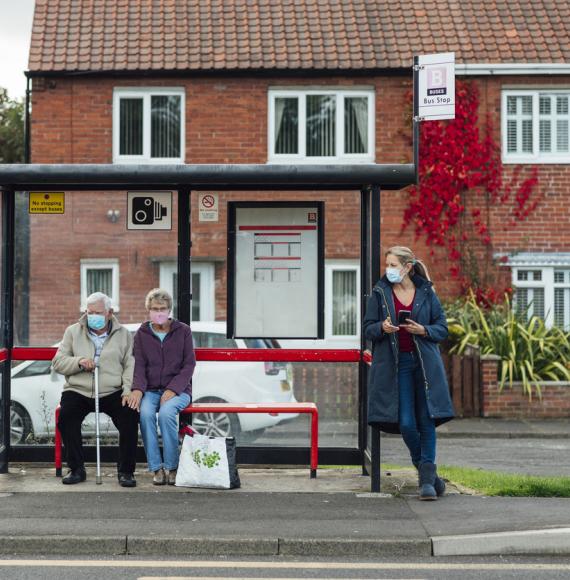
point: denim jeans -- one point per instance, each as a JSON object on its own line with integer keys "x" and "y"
{"x": 168, "y": 423}
{"x": 416, "y": 426}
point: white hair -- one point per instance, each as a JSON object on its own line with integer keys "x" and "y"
{"x": 100, "y": 297}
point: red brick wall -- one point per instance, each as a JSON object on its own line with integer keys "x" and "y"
{"x": 226, "y": 122}
{"x": 513, "y": 403}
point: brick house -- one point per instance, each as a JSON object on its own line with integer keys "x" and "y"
{"x": 260, "y": 81}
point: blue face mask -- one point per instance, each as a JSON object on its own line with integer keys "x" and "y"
{"x": 96, "y": 321}
{"x": 394, "y": 275}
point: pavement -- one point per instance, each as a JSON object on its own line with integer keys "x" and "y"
{"x": 281, "y": 511}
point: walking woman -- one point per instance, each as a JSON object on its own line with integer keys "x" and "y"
{"x": 408, "y": 391}
{"x": 164, "y": 364}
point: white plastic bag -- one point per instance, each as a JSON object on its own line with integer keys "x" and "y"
{"x": 208, "y": 462}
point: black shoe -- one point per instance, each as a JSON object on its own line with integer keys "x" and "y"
{"x": 127, "y": 480}
{"x": 75, "y": 476}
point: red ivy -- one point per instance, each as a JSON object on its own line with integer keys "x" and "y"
{"x": 456, "y": 159}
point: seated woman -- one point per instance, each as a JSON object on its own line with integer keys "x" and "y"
{"x": 162, "y": 383}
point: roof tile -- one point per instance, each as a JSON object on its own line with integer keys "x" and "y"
{"x": 289, "y": 34}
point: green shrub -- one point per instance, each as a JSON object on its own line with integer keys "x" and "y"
{"x": 529, "y": 351}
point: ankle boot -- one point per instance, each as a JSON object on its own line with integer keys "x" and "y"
{"x": 439, "y": 485}
{"x": 427, "y": 481}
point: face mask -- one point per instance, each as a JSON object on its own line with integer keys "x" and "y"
{"x": 96, "y": 321}
{"x": 394, "y": 275}
{"x": 159, "y": 317}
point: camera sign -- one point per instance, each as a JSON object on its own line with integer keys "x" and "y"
{"x": 149, "y": 210}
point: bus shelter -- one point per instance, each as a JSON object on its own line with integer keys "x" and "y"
{"x": 185, "y": 181}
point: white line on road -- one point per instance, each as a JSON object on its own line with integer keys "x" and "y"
{"x": 212, "y": 564}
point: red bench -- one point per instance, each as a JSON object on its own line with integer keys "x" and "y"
{"x": 271, "y": 408}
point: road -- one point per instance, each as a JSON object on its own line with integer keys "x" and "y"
{"x": 125, "y": 568}
{"x": 531, "y": 456}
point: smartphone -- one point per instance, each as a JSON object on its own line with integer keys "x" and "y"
{"x": 403, "y": 315}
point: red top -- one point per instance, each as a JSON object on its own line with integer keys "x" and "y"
{"x": 406, "y": 340}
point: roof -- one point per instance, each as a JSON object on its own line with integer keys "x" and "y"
{"x": 205, "y": 35}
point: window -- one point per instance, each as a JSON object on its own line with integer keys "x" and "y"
{"x": 100, "y": 276}
{"x": 342, "y": 300}
{"x": 148, "y": 125}
{"x": 203, "y": 288}
{"x": 542, "y": 287}
{"x": 535, "y": 126}
{"x": 321, "y": 126}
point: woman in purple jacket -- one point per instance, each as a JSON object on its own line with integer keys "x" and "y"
{"x": 162, "y": 383}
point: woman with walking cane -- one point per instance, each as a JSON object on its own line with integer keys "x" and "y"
{"x": 408, "y": 391}
{"x": 97, "y": 341}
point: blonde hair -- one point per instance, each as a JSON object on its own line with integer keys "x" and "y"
{"x": 406, "y": 256}
{"x": 159, "y": 295}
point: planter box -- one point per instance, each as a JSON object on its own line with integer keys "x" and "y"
{"x": 512, "y": 402}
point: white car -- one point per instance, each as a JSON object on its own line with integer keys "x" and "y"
{"x": 36, "y": 391}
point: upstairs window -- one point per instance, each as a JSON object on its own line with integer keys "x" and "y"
{"x": 536, "y": 126}
{"x": 148, "y": 126}
{"x": 321, "y": 126}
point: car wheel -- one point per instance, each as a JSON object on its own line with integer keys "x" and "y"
{"x": 215, "y": 424}
{"x": 20, "y": 424}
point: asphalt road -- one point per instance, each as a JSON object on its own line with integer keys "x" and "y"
{"x": 426, "y": 569}
{"x": 531, "y": 456}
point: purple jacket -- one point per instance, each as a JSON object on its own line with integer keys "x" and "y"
{"x": 164, "y": 365}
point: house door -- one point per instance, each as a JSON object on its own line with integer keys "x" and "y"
{"x": 202, "y": 284}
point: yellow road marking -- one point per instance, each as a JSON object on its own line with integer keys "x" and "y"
{"x": 212, "y": 564}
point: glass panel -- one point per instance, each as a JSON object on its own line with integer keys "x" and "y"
{"x": 131, "y": 127}
{"x": 195, "y": 296}
{"x": 545, "y": 136}
{"x": 538, "y": 302}
{"x": 526, "y": 105}
{"x": 321, "y": 125}
{"x": 562, "y": 105}
{"x": 544, "y": 105}
{"x": 562, "y": 141}
{"x": 100, "y": 280}
{"x": 344, "y": 303}
{"x": 213, "y": 340}
{"x": 521, "y": 297}
{"x": 559, "y": 276}
{"x": 511, "y": 105}
{"x": 174, "y": 294}
{"x": 512, "y": 136}
{"x": 537, "y": 275}
{"x": 356, "y": 125}
{"x": 527, "y": 136}
{"x": 286, "y": 126}
{"x": 522, "y": 275}
{"x": 561, "y": 306}
{"x": 165, "y": 126}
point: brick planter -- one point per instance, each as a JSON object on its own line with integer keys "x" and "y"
{"x": 511, "y": 403}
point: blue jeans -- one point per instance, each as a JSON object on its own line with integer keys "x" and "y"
{"x": 168, "y": 423}
{"x": 416, "y": 426}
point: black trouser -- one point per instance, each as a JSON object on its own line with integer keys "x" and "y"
{"x": 74, "y": 409}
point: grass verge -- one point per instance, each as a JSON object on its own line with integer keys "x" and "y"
{"x": 506, "y": 484}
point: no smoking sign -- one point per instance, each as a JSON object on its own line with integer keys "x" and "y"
{"x": 208, "y": 207}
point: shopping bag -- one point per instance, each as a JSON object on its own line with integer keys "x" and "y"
{"x": 208, "y": 462}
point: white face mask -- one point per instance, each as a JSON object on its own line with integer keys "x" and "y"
{"x": 394, "y": 275}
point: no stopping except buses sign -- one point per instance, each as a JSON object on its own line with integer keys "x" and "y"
{"x": 42, "y": 202}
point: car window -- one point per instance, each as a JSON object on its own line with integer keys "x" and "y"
{"x": 261, "y": 343}
{"x": 213, "y": 340}
{"x": 40, "y": 367}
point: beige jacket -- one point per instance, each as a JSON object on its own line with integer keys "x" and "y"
{"x": 116, "y": 364}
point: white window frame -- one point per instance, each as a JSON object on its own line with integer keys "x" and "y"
{"x": 536, "y": 156}
{"x": 146, "y": 93}
{"x": 330, "y": 267}
{"x": 301, "y": 157}
{"x": 207, "y": 273}
{"x": 100, "y": 264}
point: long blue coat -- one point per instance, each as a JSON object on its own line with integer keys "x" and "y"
{"x": 383, "y": 376}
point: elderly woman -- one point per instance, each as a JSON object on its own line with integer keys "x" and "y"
{"x": 162, "y": 383}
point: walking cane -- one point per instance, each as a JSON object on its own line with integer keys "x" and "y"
{"x": 97, "y": 433}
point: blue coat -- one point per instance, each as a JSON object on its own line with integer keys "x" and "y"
{"x": 383, "y": 377}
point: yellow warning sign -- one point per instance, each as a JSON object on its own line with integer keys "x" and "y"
{"x": 47, "y": 202}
